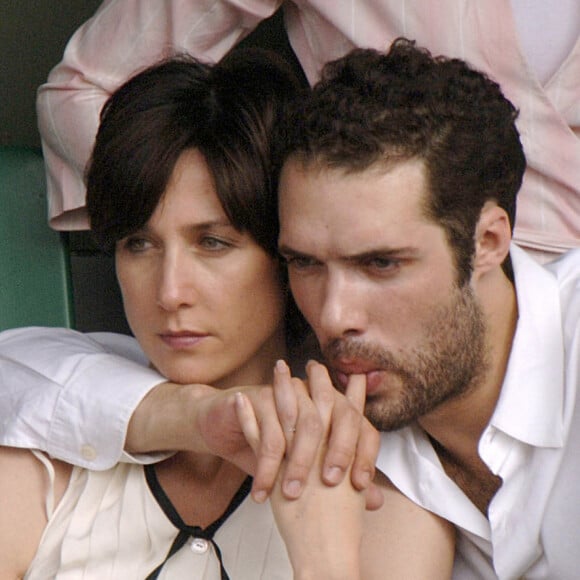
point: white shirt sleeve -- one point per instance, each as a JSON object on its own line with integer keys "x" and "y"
{"x": 123, "y": 37}
{"x": 71, "y": 394}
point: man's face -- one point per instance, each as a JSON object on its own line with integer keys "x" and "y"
{"x": 375, "y": 278}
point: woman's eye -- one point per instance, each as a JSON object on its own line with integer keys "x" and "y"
{"x": 135, "y": 244}
{"x": 213, "y": 244}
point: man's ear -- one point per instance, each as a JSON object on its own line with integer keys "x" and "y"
{"x": 492, "y": 238}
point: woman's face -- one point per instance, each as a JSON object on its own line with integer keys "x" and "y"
{"x": 204, "y": 300}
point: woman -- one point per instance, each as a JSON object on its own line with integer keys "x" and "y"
{"x": 180, "y": 186}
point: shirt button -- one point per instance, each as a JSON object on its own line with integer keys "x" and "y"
{"x": 88, "y": 452}
{"x": 199, "y": 546}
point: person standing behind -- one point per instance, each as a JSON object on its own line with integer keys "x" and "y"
{"x": 397, "y": 201}
{"x": 530, "y": 47}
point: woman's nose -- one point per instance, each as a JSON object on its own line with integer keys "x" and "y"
{"x": 175, "y": 284}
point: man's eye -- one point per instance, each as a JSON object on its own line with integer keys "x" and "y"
{"x": 381, "y": 264}
{"x": 300, "y": 262}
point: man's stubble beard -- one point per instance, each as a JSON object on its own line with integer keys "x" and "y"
{"x": 451, "y": 360}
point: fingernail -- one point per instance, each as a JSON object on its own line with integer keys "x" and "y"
{"x": 281, "y": 366}
{"x": 260, "y": 496}
{"x": 333, "y": 474}
{"x": 292, "y": 488}
{"x": 240, "y": 400}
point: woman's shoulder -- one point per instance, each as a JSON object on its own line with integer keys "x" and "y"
{"x": 23, "y": 489}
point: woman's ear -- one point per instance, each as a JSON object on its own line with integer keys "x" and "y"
{"x": 492, "y": 238}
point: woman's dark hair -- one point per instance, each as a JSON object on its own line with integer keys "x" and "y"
{"x": 227, "y": 111}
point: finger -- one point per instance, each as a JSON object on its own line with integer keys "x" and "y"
{"x": 343, "y": 440}
{"x": 248, "y": 422}
{"x": 374, "y": 497}
{"x": 356, "y": 391}
{"x": 286, "y": 403}
{"x": 302, "y": 455}
{"x": 271, "y": 447}
{"x": 367, "y": 450}
{"x": 322, "y": 391}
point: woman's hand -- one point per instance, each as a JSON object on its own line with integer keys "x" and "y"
{"x": 323, "y": 528}
{"x": 203, "y": 419}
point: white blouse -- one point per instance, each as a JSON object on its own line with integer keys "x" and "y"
{"x": 118, "y": 524}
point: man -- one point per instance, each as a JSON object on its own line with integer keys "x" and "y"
{"x": 397, "y": 202}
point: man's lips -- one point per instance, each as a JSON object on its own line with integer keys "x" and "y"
{"x": 343, "y": 370}
{"x": 182, "y": 339}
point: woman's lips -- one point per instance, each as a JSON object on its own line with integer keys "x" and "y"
{"x": 182, "y": 340}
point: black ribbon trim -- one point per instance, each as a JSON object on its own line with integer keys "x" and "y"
{"x": 185, "y": 531}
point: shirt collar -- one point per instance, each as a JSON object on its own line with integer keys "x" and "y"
{"x": 530, "y": 406}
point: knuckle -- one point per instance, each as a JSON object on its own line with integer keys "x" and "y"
{"x": 311, "y": 425}
{"x": 287, "y": 416}
{"x": 325, "y": 398}
{"x": 273, "y": 447}
{"x": 341, "y": 456}
{"x": 299, "y": 463}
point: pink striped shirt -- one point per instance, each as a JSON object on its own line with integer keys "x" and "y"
{"x": 126, "y": 35}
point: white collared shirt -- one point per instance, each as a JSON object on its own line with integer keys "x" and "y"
{"x": 532, "y": 442}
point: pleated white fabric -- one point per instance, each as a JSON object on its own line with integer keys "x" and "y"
{"x": 109, "y": 525}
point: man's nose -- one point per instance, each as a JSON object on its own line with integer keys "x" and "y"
{"x": 343, "y": 308}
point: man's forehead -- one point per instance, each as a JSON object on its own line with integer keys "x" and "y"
{"x": 354, "y": 213}
{"x": 381, "y": 182}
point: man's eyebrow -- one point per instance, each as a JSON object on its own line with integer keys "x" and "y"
{"x": 285, "y": 250}
{"x": 406, "y": 251}
{"x": 381, "y": 253}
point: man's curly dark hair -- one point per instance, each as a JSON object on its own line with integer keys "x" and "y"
{"x": 371, "y": 107}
